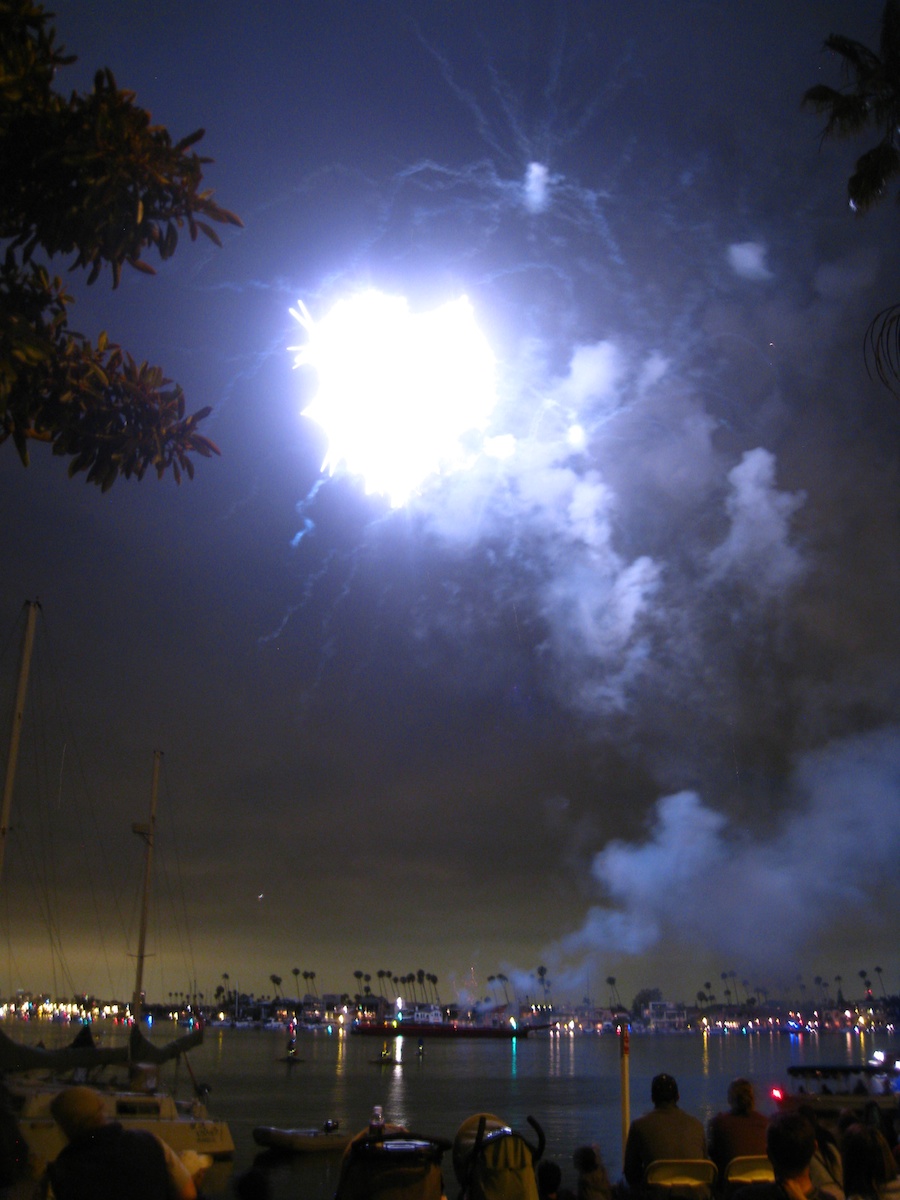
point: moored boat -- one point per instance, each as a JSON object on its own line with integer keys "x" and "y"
{"x": 183, "y": 1125}
{"x": 329, "y": 1138}
{"x": 34, "y": 1076}
{"x": 438, "y": 1029}
{"x": 830, "y": 1089}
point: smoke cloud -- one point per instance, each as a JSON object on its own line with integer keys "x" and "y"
{"x": 761, "y": 901}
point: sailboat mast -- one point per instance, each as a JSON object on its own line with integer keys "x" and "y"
{"x": 146, "y": 832}
{"x": 16, "y": 729}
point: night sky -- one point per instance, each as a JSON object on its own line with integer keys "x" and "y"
{"x": 619, "y": 705}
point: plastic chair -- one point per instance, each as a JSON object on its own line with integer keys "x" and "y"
{"x": 740, "y": 1172}
{"x": 680, "y": 1176}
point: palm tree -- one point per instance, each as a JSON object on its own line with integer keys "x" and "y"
{"x": 613, "y": 994}
{"x": 433, "y": 979}
{"x": 737, "y": 994}
{"x": 504, "y": 981}
{"x": 295, "y": 971}
{"x": 542, "y": 976}
{"x": 881, "y": 981}
{"x": 276, "y": 983}
{"x": 870, "y": 102}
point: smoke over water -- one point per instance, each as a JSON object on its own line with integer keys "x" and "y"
{"x": 691, "y": 530}
{"x": 698, "y": 878}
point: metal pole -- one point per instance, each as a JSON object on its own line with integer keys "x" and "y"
{"x": 146, "y": 832}
{"x": 16, "y": 730}
{"x": 624, "y": 1056}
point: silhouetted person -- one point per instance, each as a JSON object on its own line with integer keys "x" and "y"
{"x": 882, "y": 1120}
{"x": 741, "y": 1131}
{"x": 870, "y": 1172}
{"x": 592, "y": 1181}
{"x": 666, "y": 1132}
{"x": 826, "y": 1169}
{"x": 549, "y": 1182}
{"x": 104, "y": 1161}
{"x": 790, "y": 1145}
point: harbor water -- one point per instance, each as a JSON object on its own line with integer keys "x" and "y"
{"x": 572, "y": 1085}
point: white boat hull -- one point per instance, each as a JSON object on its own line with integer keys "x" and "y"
{"x": 187, "y": 1127}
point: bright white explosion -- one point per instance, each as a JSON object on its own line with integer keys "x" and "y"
{"x": 401, "y": 396}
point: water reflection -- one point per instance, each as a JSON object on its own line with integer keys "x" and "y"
{"x": 570, "y": 1084}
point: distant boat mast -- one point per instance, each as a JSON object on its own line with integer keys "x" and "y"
{"x": 15, "y": 733}
{"x": 147, "y": 833}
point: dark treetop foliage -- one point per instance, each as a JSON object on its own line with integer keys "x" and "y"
{"x": 88, "y": 176}
{"x": 870, "y": 101}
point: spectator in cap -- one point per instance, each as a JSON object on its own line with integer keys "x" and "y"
{"x": 105, "y": 1161}
{"x": 666, "y": 1132}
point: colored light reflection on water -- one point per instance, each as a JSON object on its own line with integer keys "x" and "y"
{"x": 571, "y": 1085}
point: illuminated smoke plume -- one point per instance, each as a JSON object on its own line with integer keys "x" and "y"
{"x": 748, "y": 259}
{"x": 758, "y": 548}
{"x": 698, "y": 878}
{"x": 666, "y": 496}
{"x": 537, "y": 188}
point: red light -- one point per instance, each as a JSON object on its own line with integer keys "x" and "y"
{"x": 777, "y": 1094}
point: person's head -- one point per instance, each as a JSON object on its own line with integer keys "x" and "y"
{"x": 663, "y": 1090}
{"x": 549, "y": 1177}
{"x": 741, "y": 1099}
{"x": 586, "y": 1159}
{"x": 790, "y": 1144}
{"x": 78, "y": 1111}
{"x": 865, "y": 1162}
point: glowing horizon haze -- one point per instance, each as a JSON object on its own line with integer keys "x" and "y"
{"x": 401, "y": 395}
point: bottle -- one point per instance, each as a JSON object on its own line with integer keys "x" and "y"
{"x": 376, "y": 1123}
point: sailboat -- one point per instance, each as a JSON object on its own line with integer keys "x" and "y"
{"x": 34, "y": 1075}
